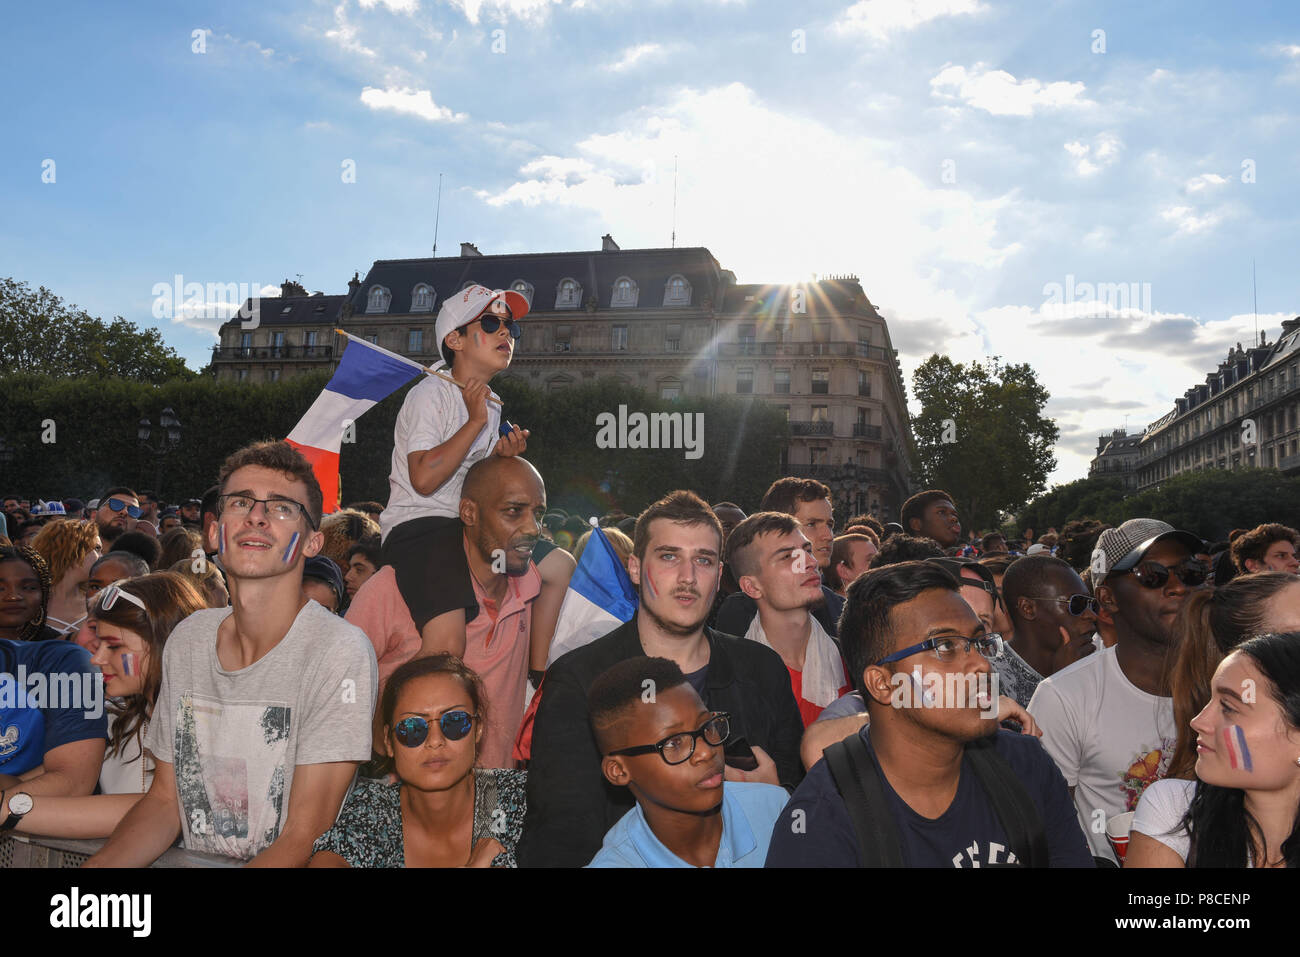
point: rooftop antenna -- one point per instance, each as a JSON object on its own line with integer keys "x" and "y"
{"x": 674, "y": 239}
{"x": 437, "y": 216}
{"x": 1255, "y": 296}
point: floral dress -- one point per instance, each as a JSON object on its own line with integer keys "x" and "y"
{"x": 368, "y": 831}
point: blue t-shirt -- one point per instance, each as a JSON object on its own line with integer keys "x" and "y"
{"x": 46, "y": 690}
{"x": 749, "y": 811}
{"x": 815, "y": 829}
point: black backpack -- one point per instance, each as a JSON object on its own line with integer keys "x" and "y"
{"x": 858, "y": 780}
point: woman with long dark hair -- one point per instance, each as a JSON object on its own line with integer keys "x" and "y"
{"x": 1213, "y": 622}
{"x": 25, "y": 586}
{"x": 1244, "y": 808}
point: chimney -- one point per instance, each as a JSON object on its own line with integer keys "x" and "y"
{"x": 469, "y": 249}
{"x": 607, "y": 244}
{"x": 1290, "y": 325}
{"x": 291, "y": 288}
{"x": 354, "y": 284}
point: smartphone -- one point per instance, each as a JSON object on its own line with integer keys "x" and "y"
{"x": 740, "y": 755}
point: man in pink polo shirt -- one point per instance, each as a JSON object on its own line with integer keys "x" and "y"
{"x": 501, "y": 506}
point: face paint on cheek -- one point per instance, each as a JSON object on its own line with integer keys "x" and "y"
{"x": 291, "y": 552}
{"x": 221, "y": 541}
{"x": 650, "y": 585}
{"x": 1234, "y": 740}
{"x": 478, "y": 340}
{"x": 129, "y": 665}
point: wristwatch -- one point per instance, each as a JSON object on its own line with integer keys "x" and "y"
{"x": 19, "y": 805}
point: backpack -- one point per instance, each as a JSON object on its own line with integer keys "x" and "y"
{"x": 858, "y": 780}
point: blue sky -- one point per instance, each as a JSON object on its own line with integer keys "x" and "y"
{"x": 959, "y": 156}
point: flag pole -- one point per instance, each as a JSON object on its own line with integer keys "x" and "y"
{"x": 423, "y": 368}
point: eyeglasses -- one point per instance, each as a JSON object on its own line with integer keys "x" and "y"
{"x": 677, "y": 748}
{"x": 1154, "y": 575}
{"x": 413, "y": 731}
{"x": 116, "y": 504}
{"x": 109, "y": 595}
{"x": 945, "y": 647}
{"x": 283, "y": 509}
{"x": 491, "y": 324}
{"x": 1077, "y": 603}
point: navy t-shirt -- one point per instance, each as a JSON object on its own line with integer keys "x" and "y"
{"x": 46, "y": 690}
{"x": 814, "y": 830}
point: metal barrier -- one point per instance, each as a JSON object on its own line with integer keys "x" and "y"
{"x": 31, "y": 850}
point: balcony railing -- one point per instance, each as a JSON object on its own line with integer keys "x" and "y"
{"x": 864, "y": 431}
{"x": 860, "y": 350}
{"x": 811, "y": 428}
{"x": 229, "y": 353}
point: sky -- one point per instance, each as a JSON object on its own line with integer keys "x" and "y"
{"x": 1080, "y": 186}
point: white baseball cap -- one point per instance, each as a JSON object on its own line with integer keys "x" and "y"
{"x": 470, "y": 303}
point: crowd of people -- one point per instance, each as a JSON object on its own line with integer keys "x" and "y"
{"x": 376, "y": 687}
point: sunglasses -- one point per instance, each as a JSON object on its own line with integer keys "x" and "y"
{"x": 1076, "y": 604}
{"x": 1154, "y": 575}
{"x": 117, "y": 505}
{"x": 108, "y": 596}
{"x": 413, "y": 731}
{"x": 491, "y": 324}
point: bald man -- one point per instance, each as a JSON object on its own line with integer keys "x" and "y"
{"x": 501, "y": 507}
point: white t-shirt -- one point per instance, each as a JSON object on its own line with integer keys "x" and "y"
{"x": 235, "y": 737}
{"x": 130, "y": 771}
{"x": 432, "y": 413}
{"x": 1109, "y": 738}
{"x": 1161, "y": 810}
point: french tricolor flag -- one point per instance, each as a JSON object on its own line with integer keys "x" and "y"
{"x": 600, "y": 598}
{"x": 366, "y": 374}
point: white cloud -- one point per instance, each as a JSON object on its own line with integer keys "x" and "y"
{"x": 877, "y": 19}
{"x": 1091, "y": 158}
{"x": 633, "y": 55}
{"x": 396, "y": 6}
{"x": 1001, "y": 94}
{"x": 1188, "y": 222}
{"x": 345, "y": 33}
{"x": 1203, "y": 182}
{"x": 415, "y": 102}
{"x": 502, "y": 10}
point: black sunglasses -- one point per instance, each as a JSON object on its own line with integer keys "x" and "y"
{"x": 1077, "y": 604}
{"x": 491, "y": 324}
{"x": 413, "y": 731}
{"x": 1154, "y": 575}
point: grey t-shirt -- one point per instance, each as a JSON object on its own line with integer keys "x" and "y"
{"x": 235, "y": 737}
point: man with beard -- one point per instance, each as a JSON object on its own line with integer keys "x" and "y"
{"x": 931, "y": 514}
{"x": 502, "y": 503}
{"x": 774, "y": 565}
{"x": 675, "y": 566}
{"x": 1108, "y": 720}
{"x": 117, "y": 513}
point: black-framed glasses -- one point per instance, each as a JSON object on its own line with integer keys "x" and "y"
{"x": 947, "y": 647}
{"x": 116, "y": 504}
{"x": 414, "y": 731}
{"x": 491, "y": 323}
{"x": 281, "y": 509}
{"x": 677, "y": 748}
{"x": 1076, "y": 604}
{"x": 1191, "y": 573}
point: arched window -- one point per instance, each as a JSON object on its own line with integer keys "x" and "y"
{"x": 568, "y": 294}
{"x": 422, "y": 298}
{"x": 625, "y": 293}
{"x": 378, "y": 299}
{"x": 677, "y": 291}
{"x": 524, "y": 289}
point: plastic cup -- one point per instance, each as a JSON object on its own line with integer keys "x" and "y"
{"x": 1117, "y": 832}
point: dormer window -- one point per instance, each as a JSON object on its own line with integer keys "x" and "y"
{"x": 677, "y": 292}
{"x": 378, "y": 299}
{"x": 625, "y": 293}
{"x": 568, "y": 294}
{"x": 422, "y": 298}
{"x": 524, "y": 289}
{"x": 286, "y": 310}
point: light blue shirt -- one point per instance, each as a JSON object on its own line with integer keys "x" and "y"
{"x": 749, "y": 812}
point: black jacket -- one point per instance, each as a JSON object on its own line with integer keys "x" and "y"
{"x": 738, "y": 611}
{"x": 571, "y": 805}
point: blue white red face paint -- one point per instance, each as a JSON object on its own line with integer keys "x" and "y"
{"x": 221, "y": 540}
{"x": 291, "y": 552}
{"x": 1234, "y": 740}
{"x": 649, "y": 583}
{"x": 130, "y": 666}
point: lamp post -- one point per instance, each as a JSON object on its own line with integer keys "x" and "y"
{"x": 169, "y": 439}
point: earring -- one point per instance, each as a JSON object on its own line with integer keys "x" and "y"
{"x": 1297, "y": 761}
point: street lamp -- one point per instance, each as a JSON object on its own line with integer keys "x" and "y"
{"x": 169, "y": 438}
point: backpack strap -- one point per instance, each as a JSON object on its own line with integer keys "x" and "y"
{"x": 858, "y": 781}
{"x": 1015, "y": 809}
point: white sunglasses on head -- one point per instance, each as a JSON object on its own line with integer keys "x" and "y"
{"x": 108, "y": 597}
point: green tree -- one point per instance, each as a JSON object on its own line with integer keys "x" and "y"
{"x": 981, "y": 436}
{"x": 40, "y": 333}
{"x": 1097, "y": 497}
{"x": 1214, "y": 502}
